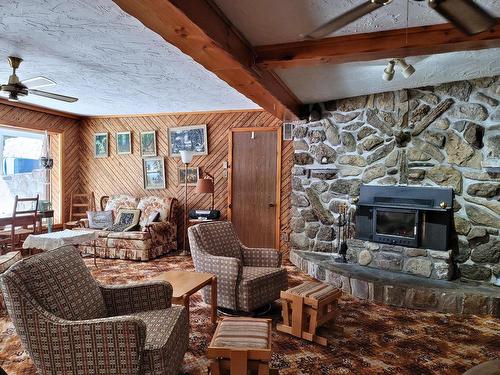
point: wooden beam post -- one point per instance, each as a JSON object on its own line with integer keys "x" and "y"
{"x": 200, "y": 30}
{"x": 417, "y": 41}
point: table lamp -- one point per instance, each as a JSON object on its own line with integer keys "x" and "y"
{"x": 206, "y": 186}
{"x": 186, "y": 157}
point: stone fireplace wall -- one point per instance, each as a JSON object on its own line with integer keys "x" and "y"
{"x": 447, "y": 135}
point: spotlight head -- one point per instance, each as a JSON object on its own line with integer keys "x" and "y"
{"x": 13, "y": 97}
{"x": 389, "y": 71}
{"x": 407, "y": 69}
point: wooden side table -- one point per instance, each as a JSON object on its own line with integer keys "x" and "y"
{"x": 185, "y": 284}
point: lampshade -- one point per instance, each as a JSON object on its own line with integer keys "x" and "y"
{"x": 186, "y": 156}
{"x": 205, "y": 186}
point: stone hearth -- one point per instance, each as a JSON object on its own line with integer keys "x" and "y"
{"x": 448, "y": 136}
{"x": 402, "y": 290}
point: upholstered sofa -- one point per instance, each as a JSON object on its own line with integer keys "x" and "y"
{"x": 70, "y": 324}
{"x": 247, "y": 278}
{"x": 151, "y": 241}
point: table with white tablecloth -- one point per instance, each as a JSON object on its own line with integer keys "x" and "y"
{"x": 54, "y": 240}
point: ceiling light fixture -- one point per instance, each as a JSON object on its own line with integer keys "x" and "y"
{"x": 406, "y": 69}
{"x": 464, "y": 14}
{"x": 389, "y": 71}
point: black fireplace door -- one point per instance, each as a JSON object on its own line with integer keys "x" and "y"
{"x": 396, "y": 226}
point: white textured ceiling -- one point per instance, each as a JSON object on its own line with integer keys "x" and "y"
{"x": 107, "y": 59}
{"x": 327, "y": 82}
{"x": 280, "y": 21}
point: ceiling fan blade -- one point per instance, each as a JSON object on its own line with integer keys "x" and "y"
{"x": 466, "y": 15}
{"x": 346, "y": 18}
{"x": 51, "y": 95}
{"x": 36, "y": 82}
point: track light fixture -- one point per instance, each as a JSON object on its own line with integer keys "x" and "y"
{"x": 389, "y": 71}
{"x": 406, "y": 69}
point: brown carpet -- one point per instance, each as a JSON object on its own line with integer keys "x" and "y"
{"x": 376, "y": 339}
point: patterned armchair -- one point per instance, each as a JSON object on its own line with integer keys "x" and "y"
{"x": 151, "y": 241}
{"x": 247, "y": 278}
{"x": 72, "y": 325}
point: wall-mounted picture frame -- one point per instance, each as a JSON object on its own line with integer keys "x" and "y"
{"x": 148, "y": 144}
{"x": 101, "y": 145}
{"x": 123, "y": 143}
{"x": 193, "y": 175}
{"x": 153, "y": 170}
{"x": 191, "y": 138}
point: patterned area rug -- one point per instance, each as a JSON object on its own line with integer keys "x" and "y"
{"x": 375, "y": 339}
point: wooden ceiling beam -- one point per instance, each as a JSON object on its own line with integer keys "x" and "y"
{"x": 200, "y": 30}
{"x": 418, "y": 41}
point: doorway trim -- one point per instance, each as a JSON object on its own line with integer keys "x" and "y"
{"x": 278, "y": 131}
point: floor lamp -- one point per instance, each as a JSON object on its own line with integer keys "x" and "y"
{"x": 186, "y": 157}
{"x": 206, "y": 186}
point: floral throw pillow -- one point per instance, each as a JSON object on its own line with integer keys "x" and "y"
{"x": 100, "y": 219}
{"x": 126, "y": 220}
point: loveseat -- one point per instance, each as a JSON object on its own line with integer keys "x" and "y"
{"x": 151, "y": 240}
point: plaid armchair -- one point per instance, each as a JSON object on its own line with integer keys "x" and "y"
{"x": 72, "y": 325}
{"x": 247, "y": 278}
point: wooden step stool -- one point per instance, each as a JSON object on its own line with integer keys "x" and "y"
{"x": 241, "y": 346}
{"x": 306, "y": 307}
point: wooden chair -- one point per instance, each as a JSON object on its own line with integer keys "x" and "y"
{"x": 306, "y": 307}
{"x": 24, "y": 221}
{"x": 79, "y": 205}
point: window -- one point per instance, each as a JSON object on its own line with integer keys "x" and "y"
{"x": 20, "y": 170}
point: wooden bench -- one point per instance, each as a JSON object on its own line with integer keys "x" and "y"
{"x": 306, "y": 307}
{"x": 240, "y": 346}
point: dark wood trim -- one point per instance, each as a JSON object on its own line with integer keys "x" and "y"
{"x": 36, "y": 108}
{"x": 200, "y": 30}
{"x": 424, "y": 40}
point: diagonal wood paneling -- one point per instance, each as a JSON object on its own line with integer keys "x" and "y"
{"x": 123, "y": 173}
{"x": 64, "y": 134}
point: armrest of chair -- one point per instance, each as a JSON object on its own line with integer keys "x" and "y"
{"x": 255, "y": 257}
{"x": 129, "y": 299}
{"x": 83, "y": 223}
{"x": 227, "y": 269}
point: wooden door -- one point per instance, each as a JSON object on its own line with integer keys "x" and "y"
{"x": 254, "y": 185}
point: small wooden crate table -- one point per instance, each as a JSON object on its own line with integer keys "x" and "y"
{"x": 306, "y": 307}
{"x": 241, "y": 345}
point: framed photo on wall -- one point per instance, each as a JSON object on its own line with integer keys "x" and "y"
{"x": 193, "y": 174}
{"x": 123, "y": 143}
{"x": 101, "y": 145}
{"x": 148, "y": 143}
{"x": 153, "y": 170}
{"x": 191, "y": 138}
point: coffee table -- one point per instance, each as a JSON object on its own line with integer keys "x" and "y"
{"x": 186, "y": 283}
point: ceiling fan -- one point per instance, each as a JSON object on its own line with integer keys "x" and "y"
{"x": 16, "y": 88}
{"x": 465, "y": 15}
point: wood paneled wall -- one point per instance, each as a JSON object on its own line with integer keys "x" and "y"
{"x": 64, "y": 138}
{"x": 123, "y": 173}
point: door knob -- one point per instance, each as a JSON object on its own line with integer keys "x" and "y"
{"x": 271, "y": 205}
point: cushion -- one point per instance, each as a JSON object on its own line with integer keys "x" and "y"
{"x": 127, "y": 219}
{"x": 242, "y": 333}
{"x": 100, "y": 232}
{"x": 220, "y": 239}
{"x": 62, "y": 284}
{"x": 130, "y": 235}
{"x": 150, "y": 204}
{"x": 314, "y": 290}
{"x": 115, "y": 202}
{"x": 100, "y": 219}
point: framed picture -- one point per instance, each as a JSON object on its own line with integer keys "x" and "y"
{"x": 148, "y": 144}
{"x": 123, "y": 143}
{"x": 191, "y": 138}
{"x": 193, "y": 174}
{"x": 153, "y": 170}
{"x": 101, "y": 145}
